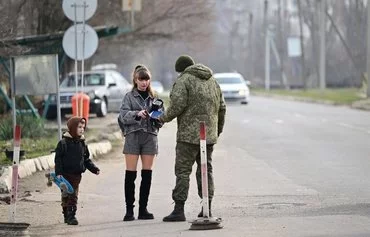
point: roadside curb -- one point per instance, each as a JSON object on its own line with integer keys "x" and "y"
{"x": 362, "y": 105}
{"x": 30, "y": 166}
{"x": 313, "y": 101}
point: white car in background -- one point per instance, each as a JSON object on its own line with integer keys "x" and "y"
{"x": 106, "y": 89}
{"x": 157, "y": 87}
{"x": 233, "y": 86}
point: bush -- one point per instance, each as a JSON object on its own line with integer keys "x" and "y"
{"x": 2, "y": 105}
{"x": 31, "y": 127}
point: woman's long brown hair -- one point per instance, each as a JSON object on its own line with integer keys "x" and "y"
{"x": 143, "y": 73}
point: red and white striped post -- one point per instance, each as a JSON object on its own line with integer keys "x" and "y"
{"x": 14, "y": 192}
{"x": 204, "y": 173}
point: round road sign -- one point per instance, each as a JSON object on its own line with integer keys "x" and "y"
{"x": 91, "y": 42}
{"x": 69, "y": 7}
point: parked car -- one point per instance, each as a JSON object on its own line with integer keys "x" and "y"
{"x": 233, "y": 86}
{"x": 157, "y": 86}
{"x": 104, "y": 66}
{"x": 106, "y": 89}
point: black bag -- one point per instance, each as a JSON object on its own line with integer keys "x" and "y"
{"x": 120, "y": 124}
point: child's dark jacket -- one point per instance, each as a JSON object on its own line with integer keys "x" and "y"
{"x": 72, "y": 156}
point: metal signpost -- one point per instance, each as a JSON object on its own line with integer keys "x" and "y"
{"x": 80, "y": 41}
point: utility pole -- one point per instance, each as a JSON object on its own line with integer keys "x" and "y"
{"x": 302, "y": 43}
{"x": 133, "y": 6}
{"x": 368, "y": 50}
{"x": 281, "y": 43}
{"x": 322, "y": 44}
{"x": 267, "y": 61}
{"x": 286, "y": 31}
{"x": 280, "y": 38}
{"x": 267, "y": 47}
{"x": 250, "y": 45}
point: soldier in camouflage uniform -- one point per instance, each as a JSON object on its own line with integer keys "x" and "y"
{"x": 196, "y": 96}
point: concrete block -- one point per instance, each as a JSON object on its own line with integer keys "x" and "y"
{"x": 29, "y": 166}
{"x": 104, "y": 147}
{"x": 37, "y": 164}
{"x": 99, "y": 148}
{"x": 32, "y": 165}
{"x": 27, "y": 169}
{"x": 44, "y": 162}
{"x": 22, "y": 172}
{"x": 50, "y": 159}
{"x": 6, "y": 180}
{"x": 92, "y": 150}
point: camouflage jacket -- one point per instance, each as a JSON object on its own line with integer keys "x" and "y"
{"x": 196, "y": 96}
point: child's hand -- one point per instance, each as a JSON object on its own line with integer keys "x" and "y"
{"x": 59, "y": 176}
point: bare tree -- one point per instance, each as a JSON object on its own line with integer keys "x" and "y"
{"x": 8, "y": 22}
{"x": 162, "y": 26}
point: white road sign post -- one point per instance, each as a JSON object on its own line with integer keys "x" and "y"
{"x": 80, "y": 41}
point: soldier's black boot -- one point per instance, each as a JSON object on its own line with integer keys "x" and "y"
{"x": 72, "y": 215}
{"x": 177, "y": 214}
{"x": 65, "y": 214}
{"x": 210, "y": 212}
{"x": 146, "y": 182}
{"x": 130, "y": 177}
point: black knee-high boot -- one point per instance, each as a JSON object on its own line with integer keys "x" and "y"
{"x": 130, "y": 177}
{"x": 146, "y": 182}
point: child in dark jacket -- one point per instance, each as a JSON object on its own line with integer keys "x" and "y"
{"x": 72, "y": 158}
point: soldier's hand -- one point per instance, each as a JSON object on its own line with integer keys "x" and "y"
{"x": 160, "y": 119}
{"x": 59, "y": 176}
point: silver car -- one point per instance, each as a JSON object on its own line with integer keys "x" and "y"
{"x": 106, "y": 89}
{"x": 233, "y": 87}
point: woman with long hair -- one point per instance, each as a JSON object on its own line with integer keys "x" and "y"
{"x": 140, "y": 141}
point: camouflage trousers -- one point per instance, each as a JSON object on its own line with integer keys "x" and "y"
{"x": 186, "y": 155}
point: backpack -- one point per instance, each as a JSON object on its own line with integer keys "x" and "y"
{"x": 120, "y": 124}
{"x": 64, "y": 146}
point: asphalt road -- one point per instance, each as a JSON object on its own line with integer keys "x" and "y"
{"x": 281, "y": 169}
